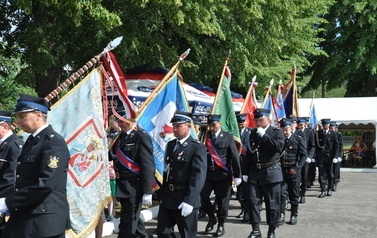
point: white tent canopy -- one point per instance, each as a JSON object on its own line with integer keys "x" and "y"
{"x": 353, "y": 110}
{"x": 351, "y": 114}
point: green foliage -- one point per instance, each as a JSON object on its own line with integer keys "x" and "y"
{"x": 266, "y": 38}
{"x": 350, "y": 45}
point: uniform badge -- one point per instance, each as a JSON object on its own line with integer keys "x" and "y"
{"x": 53, "y": 162}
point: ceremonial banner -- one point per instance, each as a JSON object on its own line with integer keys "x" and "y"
{"x": 118, "y": 86}
{"x": 268, "y": 104}
{"x": 279, "y": 104}
{"x": 78, "y": 117}
{"x": 313, "y": 117}
{"x": 223, "y": 106}
{"x": 250, "y": 105}
{"x": 155, "y": 115}
{"x": 290, "y": 96}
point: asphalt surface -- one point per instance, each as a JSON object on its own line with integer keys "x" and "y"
{"x": 350, "y": 212}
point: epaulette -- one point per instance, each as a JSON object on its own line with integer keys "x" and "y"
{"x": 196, "y": 141}
{"x": 19, "y": 142}
{"x": 141, "y": 130}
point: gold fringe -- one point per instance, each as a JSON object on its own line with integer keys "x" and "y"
{"x": 90, "y": 228}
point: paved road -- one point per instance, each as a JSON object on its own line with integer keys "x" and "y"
{"x": 350, "y": 212}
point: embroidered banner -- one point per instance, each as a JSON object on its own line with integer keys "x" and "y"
{"x": 78, "y": 117}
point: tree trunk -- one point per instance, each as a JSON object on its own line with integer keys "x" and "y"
{"x": 47, "y": 83}
{"x": 370, "y": 86}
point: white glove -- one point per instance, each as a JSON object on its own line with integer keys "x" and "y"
{"x": 245, "y": 178}
{"x": 339, "y": 159}
{"x": 237, "y": 181}
{"x": 3, "y": 205}
{"x": 308, "y": 160}
{"x": 335, "y": 160}
{"x": 186, "y": 209}
{"x": 261, "y": 131}
{"x": 147, "y": 200}
{"x": 313, "y": 160}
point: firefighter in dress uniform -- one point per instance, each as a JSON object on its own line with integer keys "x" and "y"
{"x": 38, "y": 204}
{"x": 293, "y": 157}
{"x": 223, "y": 164}
{"x": 184, "y": 177}
{"x": 10, "y": 149}
{"x": 262, "y": 172}
{"x": 134, "y": 165}
{"x": 242, "y": 189}
{"x": 336, "y": 166}
{"x": 327, "y": 153}
{"x": 310, "y": 150}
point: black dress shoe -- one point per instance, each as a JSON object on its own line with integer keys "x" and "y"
{"x": 334, "y": 187}
{"x": 211, "y": 223}
{"x": 322, "y": 195}
{"x": 220, "y": 231}
{"x": 293, "y": 220}
{"x": 329, "y": 193}
{"x": 153, "y": 235}
{"x": 255, "y": 234}
{"x": 271, "y": 235}
{"x": 282, "y": 219}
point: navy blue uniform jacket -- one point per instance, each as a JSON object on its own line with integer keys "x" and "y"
{"x": 185, "y": 166}
{"x": 267, "y": 149}
{"x": 38, "y": 205}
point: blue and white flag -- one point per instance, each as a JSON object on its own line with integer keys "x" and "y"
{"x": 313, "y": 117}
{"x": 156, "y": 113}
{"x": 78, "y": 117}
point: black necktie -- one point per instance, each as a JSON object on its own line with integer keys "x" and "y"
{"x": 29, "y": 143}
{"x": 177, "y": 145}
{"x": 214, "y": 137}
{"x": 286, "y": 142}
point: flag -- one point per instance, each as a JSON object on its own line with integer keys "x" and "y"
{"x": 78, "y": 117}
{"x": 155, "y": 114}
{"x": 250, "y": 105}
{"x": 313, "y": 117}
{"x": 290, "y": 96}
{"x": 279, "y": 104}
{"x": 117, "y": 83}
{"x": 223, "y": 105}
{"x": 269, "y": 104}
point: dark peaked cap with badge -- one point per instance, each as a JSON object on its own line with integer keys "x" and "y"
{"x": 28, "y": 103}
{"x": 260, "y": 113}
{"x": 285, "y": 123}
{"x": 181, "y": 117}
{"x": 5, "y": 116}
{"x": 333, "y": 124}
{"x": 241, "y": 118}
{"x": 325, "y": 121}
{"x": 212, "y": 119}
{"x": 196, "y": 119}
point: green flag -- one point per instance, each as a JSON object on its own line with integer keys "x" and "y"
{"x": 223, "y": 105}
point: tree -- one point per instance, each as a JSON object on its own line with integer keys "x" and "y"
{"x": 266, "y": 38}
{"x": 48, "y": 34}
{"x": 350, "y": 45}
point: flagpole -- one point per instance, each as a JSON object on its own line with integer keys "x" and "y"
{"x": 221, "y": 80}
{"x": 248, "y": 95}
{"x": 268, "y": 93}
{"x": 110, "y": 46}
{"x": 311, "y": 103}
{"x": 164, "y": 79}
